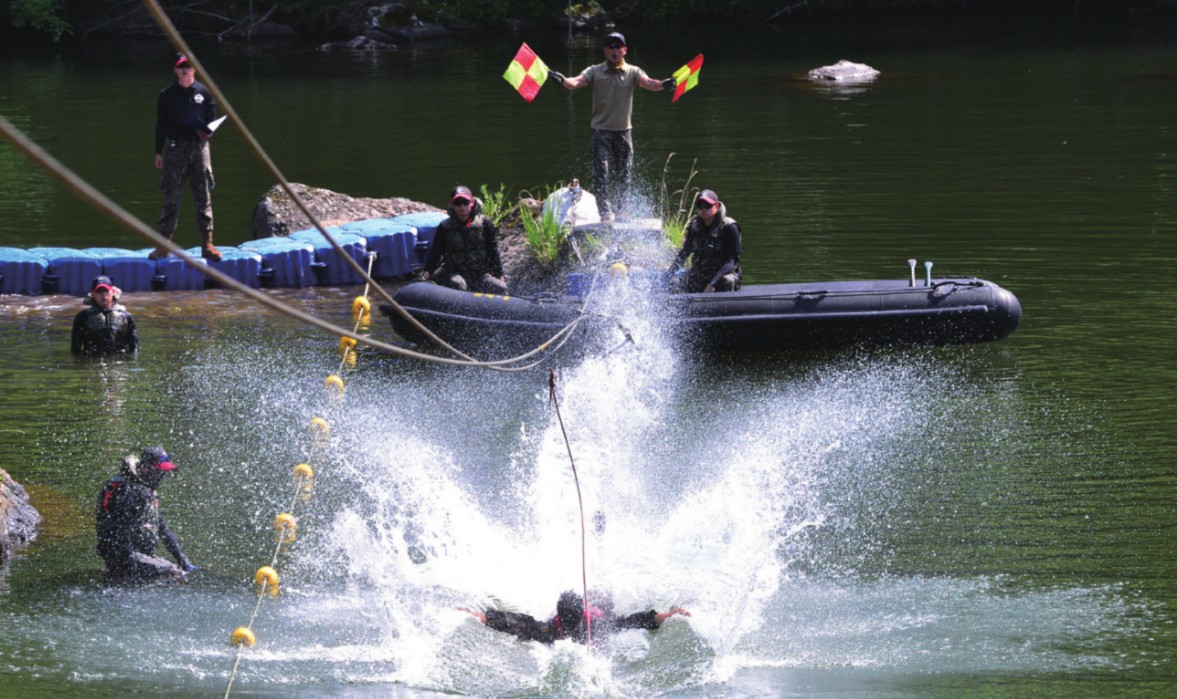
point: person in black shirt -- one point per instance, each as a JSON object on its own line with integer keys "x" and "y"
{"x": 182, "y": 117}
{"x": 574, "y": 620}
{"x": 105, "y": 327}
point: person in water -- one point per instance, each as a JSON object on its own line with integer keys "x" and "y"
{"x": 712, "y": 241}
{"x": 574, "y": 620}
{"x": 130, "y": 525}
{"x": 613, "y": 84}
{"x": 105, "y": 327}
{"x": 465, "y": 250}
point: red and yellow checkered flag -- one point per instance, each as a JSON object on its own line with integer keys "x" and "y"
{"x": 687, "y": 77}
{"x": 526, "y": 73}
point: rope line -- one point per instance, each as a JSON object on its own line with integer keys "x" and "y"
{"x": 588, "y": 618}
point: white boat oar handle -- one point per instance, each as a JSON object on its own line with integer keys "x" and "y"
{"x": 911, "y": 263}
{"x": 928, "y": 267}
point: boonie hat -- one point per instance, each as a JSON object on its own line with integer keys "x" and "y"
{"x": 460, "y": 192}
{"x": 101, "y": 280}
{"x": 708, "y": 196}
{"x": 157, "y": 457}
{"x": 614, "y": 36}
{"x": 181, "y": 61}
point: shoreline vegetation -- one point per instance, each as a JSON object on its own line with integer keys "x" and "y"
{"x": 363, "y": 23}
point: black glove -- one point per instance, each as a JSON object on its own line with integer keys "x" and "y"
{"x": 557, "y": 76}
{"x": 669, "y": 84}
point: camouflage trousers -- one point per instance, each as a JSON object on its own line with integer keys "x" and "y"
{"x": 186, "y": 161}
{"x": 617, "y": 146}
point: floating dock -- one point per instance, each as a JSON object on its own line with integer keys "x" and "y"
{"x": 304, "y": 258}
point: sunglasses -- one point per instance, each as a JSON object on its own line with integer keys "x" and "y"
{"x": 461, "y": 202}
{"x": 615, "y": 45}
{"x": 704, "y": 206}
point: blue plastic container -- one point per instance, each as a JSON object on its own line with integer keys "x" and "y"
{"x": 285, "y": 262}
{"x": 132, "y": 271}
{"x": 21, "y": 272}
{"x": 392, "y": 241}
{"x": 330, "y": 269}
{"x": 69, "y": 274}
{"x": 426, "y": 223}
{"x": 174, "y": 274}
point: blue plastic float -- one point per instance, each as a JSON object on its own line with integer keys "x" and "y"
{"x": 302, "y": 259}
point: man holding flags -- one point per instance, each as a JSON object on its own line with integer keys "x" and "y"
{"x": 613, "y": 85}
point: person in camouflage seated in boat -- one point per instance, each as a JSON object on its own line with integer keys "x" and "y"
{"x": 465, "y": 250}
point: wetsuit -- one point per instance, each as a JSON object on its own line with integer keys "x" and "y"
{"x": 465, "y": 256}
{"x": 528, "y": 628}
{"x": 130, "y": 528}
{"x": 104, "y": 331}
{"x": 714, "y": 251}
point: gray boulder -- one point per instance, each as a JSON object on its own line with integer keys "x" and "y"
{"x": 18, "y": 519}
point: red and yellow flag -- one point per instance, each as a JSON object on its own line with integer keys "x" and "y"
{"x": 526, "y": 73}
{"x": 687, "y": 76}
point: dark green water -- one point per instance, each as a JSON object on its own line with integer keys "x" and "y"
{"x": 981, "y": 521}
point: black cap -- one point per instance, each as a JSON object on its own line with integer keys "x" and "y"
{"x": 181, "y": 61}
{"x": 101, "y": 280}
{"x": 614, "y": 36}
{"x": 460, "y": 192}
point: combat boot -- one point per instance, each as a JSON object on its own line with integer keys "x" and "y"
{"x": 207, "y": 251}
{"x": 160, "y": 251}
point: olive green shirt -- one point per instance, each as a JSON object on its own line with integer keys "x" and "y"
{"x": 613, "y": 95}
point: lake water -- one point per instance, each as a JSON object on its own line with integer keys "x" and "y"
{"x": 992, "y": 520}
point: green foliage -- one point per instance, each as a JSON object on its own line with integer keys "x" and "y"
{"x": 494, "y": 204}
{"x": 41, "y": 15}
{"x": 676, "y": 206}
{"x": 544, "y": 233}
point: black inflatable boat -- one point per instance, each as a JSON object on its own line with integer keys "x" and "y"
{"x": 819, "y": 314}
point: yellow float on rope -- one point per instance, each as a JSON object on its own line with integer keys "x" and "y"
{"x": 347, "y": 344}
{"x": 304, "y": 477}
{"x": 360, "y": 309}
{"x": 286, "y": 524}
{"x": 319, "y": 427}
{"x": 618, "y": 269}
{"x": 241, "y": 635}
{"x": 334, "y": 382}
{"x": 268, "y": 577}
